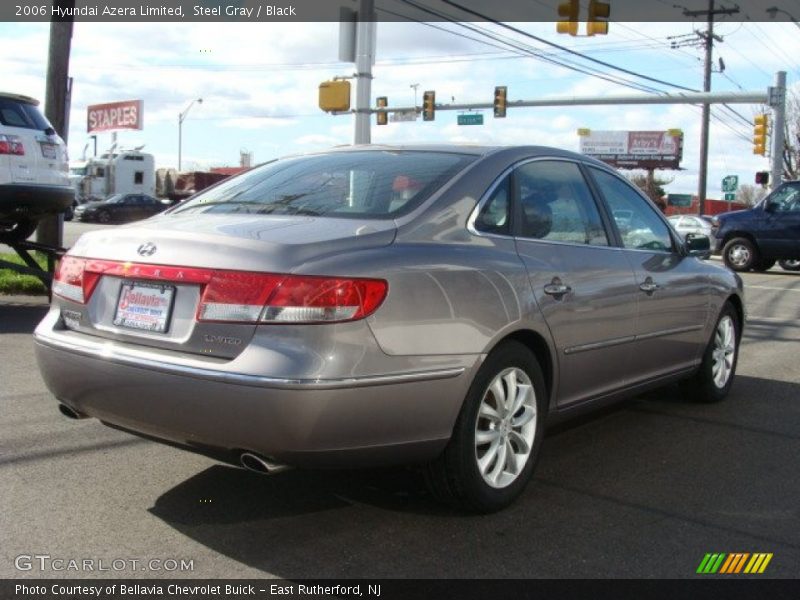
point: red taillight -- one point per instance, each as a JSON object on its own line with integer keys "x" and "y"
{"x": 72, "y": 281}
{"x": 237, "y": 296}
{"x": 11, "y": 144}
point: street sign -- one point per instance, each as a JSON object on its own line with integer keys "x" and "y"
{"x": 730, "y": 183}
{"x": 404, "y": 115}
{"x": 470, "y": 119}
{"x": 730, "y": 196}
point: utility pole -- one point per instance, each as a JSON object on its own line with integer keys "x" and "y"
{"x": 51, "y": 229}
{"x": 365, "y": 57}
{"x": 704, "y": 132}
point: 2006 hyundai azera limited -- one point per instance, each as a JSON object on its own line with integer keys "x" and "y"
{"x": 377, "y": 305}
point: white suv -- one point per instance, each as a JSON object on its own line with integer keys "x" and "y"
{"x": 34, "y": 171}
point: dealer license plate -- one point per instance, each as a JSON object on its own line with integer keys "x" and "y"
{"x": 144, "y": 306}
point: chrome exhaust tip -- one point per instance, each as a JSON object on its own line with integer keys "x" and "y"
{"x": 71, "y": 413}
{"x": 259, "y": 464}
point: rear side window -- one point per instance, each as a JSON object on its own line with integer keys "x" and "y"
{"x": 556, "y": 204}
{"x": 20, "y": 114}
{"x": 495, "y": 216}
{"x": 369, "y": 184}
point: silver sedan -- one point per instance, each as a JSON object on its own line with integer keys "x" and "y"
{"x": 377, "y": 305}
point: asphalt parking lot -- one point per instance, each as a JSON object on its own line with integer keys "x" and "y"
{"x": 645, "y": 489}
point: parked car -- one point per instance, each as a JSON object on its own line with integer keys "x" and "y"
{"x": 757, "y": 238}
{"x": 120, "y": 208}
{"x": 34, "y": 178}
{"x": 378, "y": 305}
{"x": 684, "y": 224}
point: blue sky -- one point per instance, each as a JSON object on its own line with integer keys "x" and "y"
{"x": 259, "y": 85}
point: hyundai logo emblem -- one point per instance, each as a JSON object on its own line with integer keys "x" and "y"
{"x": 147, "y": 249}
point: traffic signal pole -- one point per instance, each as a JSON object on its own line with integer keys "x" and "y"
{"x": 365, "y": 56}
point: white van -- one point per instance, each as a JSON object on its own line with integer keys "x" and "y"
{"x": 34, "y": 171}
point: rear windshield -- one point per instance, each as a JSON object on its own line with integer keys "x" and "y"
{"x": 14, "y": 113}
{"x": 368, "y": 185}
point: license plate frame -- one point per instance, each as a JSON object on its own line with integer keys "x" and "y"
{"x": 49, "y": 151}
{"x": 150, "y": 311}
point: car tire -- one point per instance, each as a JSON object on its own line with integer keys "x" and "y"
{"x": 740, "y": 254}
{"x": 764, "y": 265}
{"x": 17, "y": 232}
{"x": 103, "y": 216}
{"x": 714, "y": 378}
{"x": 476, "y": 471}
{"x": 790, "y": 265}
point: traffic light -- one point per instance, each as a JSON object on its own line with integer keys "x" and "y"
{"x": 500, "y": 101}
{"x": 568, "y": 9}
{"x": 382, "y": 118}
{"x": 762, "y": 177}
{"x": 429, "y": 106}
{"x": 760, "y": 126}
{"x": 598, "y": 15}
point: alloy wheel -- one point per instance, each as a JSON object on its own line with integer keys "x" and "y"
{"x": 505, "y": 427}
{"x": 724, "y": 351}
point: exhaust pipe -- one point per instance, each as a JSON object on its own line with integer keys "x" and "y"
{"x": 71, "y": 412}
{"x": 259, "y": 464}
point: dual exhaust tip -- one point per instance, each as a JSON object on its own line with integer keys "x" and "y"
{"x": 249, "y": 460}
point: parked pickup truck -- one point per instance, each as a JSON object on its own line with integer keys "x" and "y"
{"x": 755, "y": 239}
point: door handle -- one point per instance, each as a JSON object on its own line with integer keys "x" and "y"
{"x": 556, "y": 288}
{"x": 649, "y": 286}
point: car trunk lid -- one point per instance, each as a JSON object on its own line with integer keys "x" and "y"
{"x": 153, "y": 273}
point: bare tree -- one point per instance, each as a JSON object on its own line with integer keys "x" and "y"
{"x": 791, "y": 147}
{"x": 749, "y": 194}
{"x": 652, "y": 186}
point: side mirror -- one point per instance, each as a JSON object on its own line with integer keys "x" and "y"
{"x": 770, "y": 207}
{"x": 698, "y": 245}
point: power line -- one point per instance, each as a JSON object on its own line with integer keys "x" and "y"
{"x": 528, "y": 50}
{"x": 568, "y": 50}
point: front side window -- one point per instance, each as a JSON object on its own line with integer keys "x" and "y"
{"x": 556, "y": 204}
{"x": 638, "y": 224}
{"x": 367, "y": 185}
{"x": 786, "y": 199}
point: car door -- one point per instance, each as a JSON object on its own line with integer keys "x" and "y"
{"x": 672, "y": 290}
{"x": 780, "y": 235}
{"x": 583, "y": 285}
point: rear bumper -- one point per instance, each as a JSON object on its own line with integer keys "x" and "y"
{"x": 352, "y": 421}
{"x": 27, "y": 201}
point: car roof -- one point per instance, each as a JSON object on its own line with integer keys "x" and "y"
{"x": 19, "y": 98}
{"x": 472, "y": 149}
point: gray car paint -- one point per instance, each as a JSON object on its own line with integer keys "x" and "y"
{"x": 307, "y": 394}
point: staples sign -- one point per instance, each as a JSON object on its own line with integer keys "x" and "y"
{"x": 114, "y": 115}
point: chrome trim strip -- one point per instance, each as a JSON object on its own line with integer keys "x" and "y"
{"x": 598, "y": 345}
{"x": 106, "y": 351}
{"x": 632, "y": 338}
{"x": 664, "y": 332}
